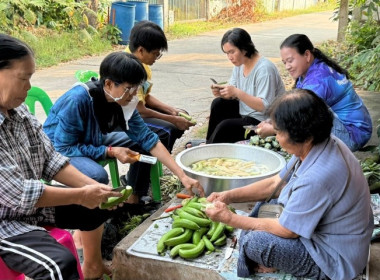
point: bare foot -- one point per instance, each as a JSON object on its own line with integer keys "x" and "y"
{"x": 95, "y": 271}
{"x": 77, "y": 239}
{"x": 195, "y": 143}
{"x": 264, "y": 269}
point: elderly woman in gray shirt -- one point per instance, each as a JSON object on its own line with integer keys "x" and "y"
{"x": 254, "y": 84}
{"x": 325, "y": 228}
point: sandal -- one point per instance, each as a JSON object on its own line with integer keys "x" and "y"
{"x": 194, "y": 143}
{"x": 80, "y": 255}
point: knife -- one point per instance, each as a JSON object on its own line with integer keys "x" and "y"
{"x": 230, "y": 249}
{"x": 119, "y": 189}
{"x": 250, "y": 127}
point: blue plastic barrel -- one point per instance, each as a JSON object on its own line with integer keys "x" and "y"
{"x": 141, "y": 10}
{"x": 123, "y": 16}
{"x": 156, "y": 14}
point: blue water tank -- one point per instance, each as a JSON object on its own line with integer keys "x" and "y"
{"x": 141, "y": 10}
{"x": 123, "y": 16}
{"x": 156, "y": 14}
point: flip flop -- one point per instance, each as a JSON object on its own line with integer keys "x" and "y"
{"x": 80, "y": 255}
{"x": 194, "y": 143}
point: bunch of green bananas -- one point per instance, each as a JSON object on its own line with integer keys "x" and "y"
{"x": 193, "y": 233}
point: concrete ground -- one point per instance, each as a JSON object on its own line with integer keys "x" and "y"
{"x": 182, "y": 78}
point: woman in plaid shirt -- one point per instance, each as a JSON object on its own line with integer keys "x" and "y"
{"x": 26, "y": 204}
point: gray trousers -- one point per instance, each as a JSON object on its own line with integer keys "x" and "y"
{"x": 285, "y": 254}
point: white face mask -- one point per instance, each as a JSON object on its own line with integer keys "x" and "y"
{"x": 129, "y": 109}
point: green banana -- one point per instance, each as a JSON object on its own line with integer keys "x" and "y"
{"x": 218, "y": 232}
{"x": 212, "y": 229}
{"x": 194, "y": 252}
{"x": 185, "y": 223}
{"x": 221, "y": 241}
{"x": 183, "y": 238}
{"x": 195, "y": 205}
{"x": 113, "y": 201}
{"x": 197, "y": 235}
{"x": 200, "y": 221}
{"x": 208, "y": 244}
{"x": 195, "y": 212}
{"x": 175, "y": 250}
{"x": 229, "y": 228}
{"x": 170, "y": 234}
{"x": 187, "y": 117}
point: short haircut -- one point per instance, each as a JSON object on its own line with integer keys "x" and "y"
{"x": 121, "y": 67}
{"x": 303, "y": 115}
{"x": 148, "y": 35}
{"x": 240, "y": 39}
{"x": 12, "y": 49}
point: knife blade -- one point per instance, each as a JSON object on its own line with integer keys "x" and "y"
{"x": 250, "y": 127}
{"x": 230, "y": 249}
{"x": 119, "y": 189}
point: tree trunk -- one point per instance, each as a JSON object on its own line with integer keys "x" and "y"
{"x": 92, "y": 20}
{"x": 343, "y": 20}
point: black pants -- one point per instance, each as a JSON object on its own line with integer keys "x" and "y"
{"x": 39, "y": 256}
{"x": 226, "y": 124}
{"x": 167, "y": 131}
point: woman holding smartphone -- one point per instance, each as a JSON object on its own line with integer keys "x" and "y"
{"x": 253, "y": 85}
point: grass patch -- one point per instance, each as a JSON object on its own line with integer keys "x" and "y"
{"x": 201, "y": 132}
{"x": 52, "y": 48}
{"x": 186, "y": 29}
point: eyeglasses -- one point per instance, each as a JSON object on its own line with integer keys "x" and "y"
{"x": 130, "y": 90}
{"x": 127, "y": 90}
{"x": 157, "y": 54}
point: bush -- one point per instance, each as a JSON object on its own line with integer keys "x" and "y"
{"x": 359, "y": 54}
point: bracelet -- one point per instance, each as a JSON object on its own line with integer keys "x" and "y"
{"x": 110, "y": 151}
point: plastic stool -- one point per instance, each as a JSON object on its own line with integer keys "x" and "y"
{"x": 63, "y": 237}
{"x": 114, "y": 171}
{"x": 9, "y": 274}
{"x": 85, "y": 76}
{"x": 155, "y": 174}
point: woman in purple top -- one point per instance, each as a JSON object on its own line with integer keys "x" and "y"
{"x": 315, "y": 71}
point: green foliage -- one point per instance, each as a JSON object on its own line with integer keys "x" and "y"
{"x": 360, "y": 53}
{"x": 52, "y": 47}
{"x": 112, "y": 33}
{"x": 366, "y": 68}
{"x": 363, "y": 36}
{"x": 59, "y": 15}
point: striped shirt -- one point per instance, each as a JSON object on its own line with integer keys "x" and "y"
{"x": 26, "y": 156}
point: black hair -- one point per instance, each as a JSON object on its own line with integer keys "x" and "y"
{"x": 303, "y": 115}
{"x": 12, "y": 49}
{"x": 148, "y": 35}
{"x": 121, "y": 67}
{"x": 302, "y": 43}
{"x": 240, "y": 39}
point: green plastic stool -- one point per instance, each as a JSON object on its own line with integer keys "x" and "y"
{"x": 85, "y": 76}
{"x": 155, "y": 174}
{"x": 36, "y": 94}
{"x": 114, "y": 171}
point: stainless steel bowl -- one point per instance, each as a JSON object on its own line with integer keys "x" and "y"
{"x": 210, "y": 183}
